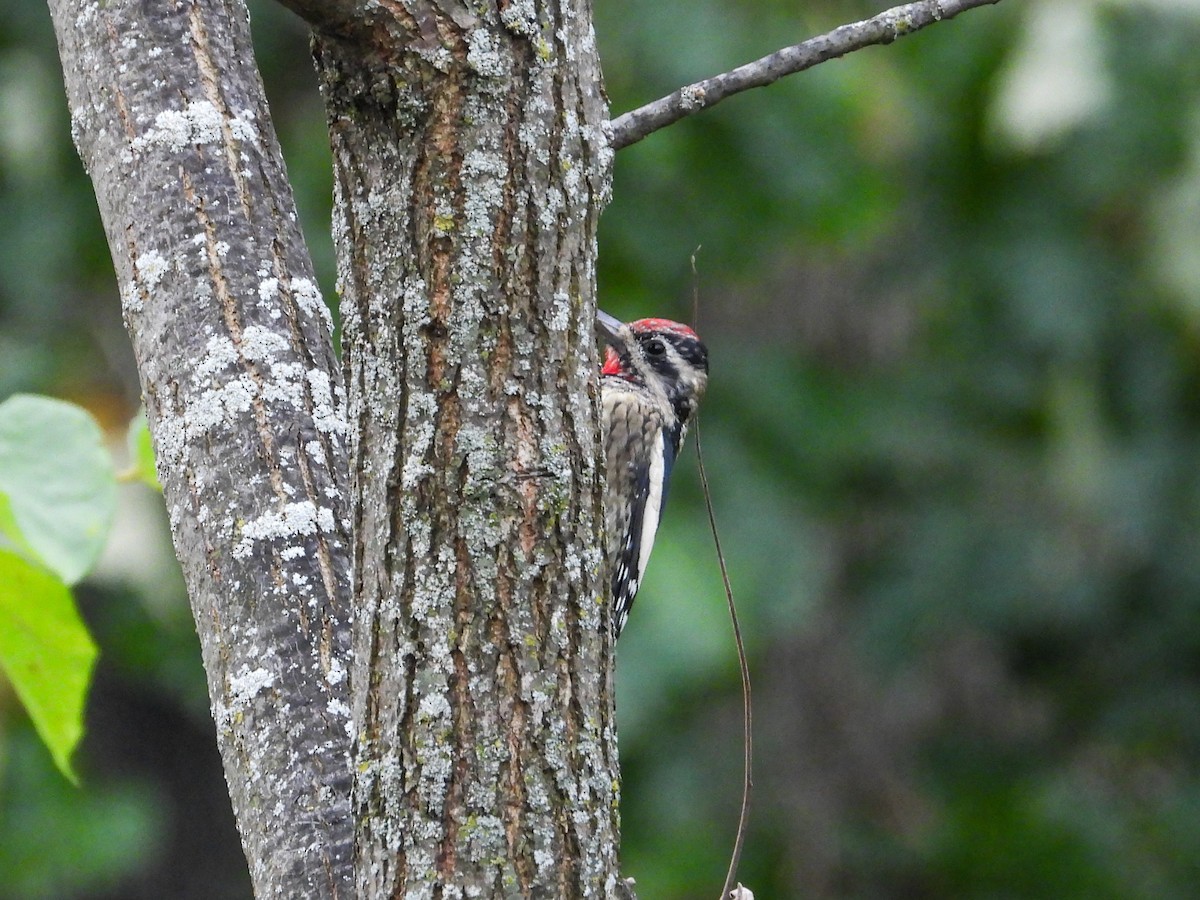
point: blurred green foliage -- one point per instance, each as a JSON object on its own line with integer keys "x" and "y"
{"x": 951, "y": 290}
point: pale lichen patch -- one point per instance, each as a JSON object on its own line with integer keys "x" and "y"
{"x": 338, "y": 708}
{"x": 519, "y": 17}
{"x": 220, "y": 354}
{"x": 131, "y": 298}
{"x": 268, "y": 289}
{"x": 327, "y": 414}
{"x": 484, "y": 53}
{"x": 264, "y": 345}
{"x": 219, "y": 405}
{"x": 336, "y": 673}
{"x": 692, "y": 96}
{"x": 86, "y": 19}
{"x": 242, "y": 127}
{"x": 249, "y": 682}
{"x": 299, "y": 519}
{"x": 309, "y": 299}
{"x": 151, "y": 267}
{"x": 559, "y": 319}
{"x": 433, "y": 706}
{"x": 198, "y": 123}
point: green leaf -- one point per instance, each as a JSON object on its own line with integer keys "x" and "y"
{"x": 59, "y": 480}
{"x": 46, "y": 652}
{"x": 141, "y": 451}
{"x": 10, "y": 529}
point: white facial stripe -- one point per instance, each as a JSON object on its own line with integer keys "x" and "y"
{"x": 689, "y": 375}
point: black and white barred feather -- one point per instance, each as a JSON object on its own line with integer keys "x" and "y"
{"x": 654, "y": 374}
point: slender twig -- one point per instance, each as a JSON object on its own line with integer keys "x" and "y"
{"x": 884, "y": 28}
{"x": 743, "y": 665}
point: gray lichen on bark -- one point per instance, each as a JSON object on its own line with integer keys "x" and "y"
{"x": 471, "y": 165}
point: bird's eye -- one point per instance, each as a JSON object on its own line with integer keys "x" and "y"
{"x": 655, "y": 347}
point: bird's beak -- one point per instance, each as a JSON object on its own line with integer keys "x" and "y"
{"x": 609, "y": 329}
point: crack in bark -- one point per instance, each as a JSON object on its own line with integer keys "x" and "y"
{"x": 118, "y": 94}
{"x": 229, "y": 312}
{"x": 324, "y": 556}
{"x": 210, "y": 81}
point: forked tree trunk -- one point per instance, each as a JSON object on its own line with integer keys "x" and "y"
{"x": 471, "y": 167}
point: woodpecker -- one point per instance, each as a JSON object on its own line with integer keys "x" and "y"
{"x": 653, "y": 377}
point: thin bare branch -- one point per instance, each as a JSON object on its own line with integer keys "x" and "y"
{"x": 884, "y": 28}
{"x": 744, "y": 669}
{"x": 743, "y": 664}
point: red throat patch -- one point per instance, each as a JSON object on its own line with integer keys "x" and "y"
{"x": 612, "y": 362}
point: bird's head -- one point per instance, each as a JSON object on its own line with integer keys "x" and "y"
{"x": 663, "y": 355}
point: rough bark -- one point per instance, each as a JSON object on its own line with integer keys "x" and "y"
{"x": 233, "y": 347}
{"x": 471, "y": 166}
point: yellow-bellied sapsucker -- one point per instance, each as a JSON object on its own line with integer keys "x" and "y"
{"x": 654, "y": 374}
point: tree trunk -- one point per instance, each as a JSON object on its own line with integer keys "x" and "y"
{"x": 471, "y": 165}
{"x": 234, "y": 351}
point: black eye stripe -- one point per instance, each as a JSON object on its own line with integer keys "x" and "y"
{"x": 693, "y": 351}
{"x": 689, "y": 349}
